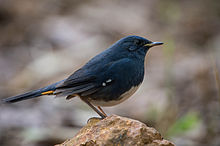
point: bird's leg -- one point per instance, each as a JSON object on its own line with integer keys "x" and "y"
{"x": 101, "y": 110}
{"x": 95, "y": 109}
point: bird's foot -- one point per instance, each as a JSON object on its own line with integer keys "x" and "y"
{"x": 94, "y": 120}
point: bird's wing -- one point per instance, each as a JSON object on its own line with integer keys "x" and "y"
{"x": 76, "y": 84}
{"x": 84, "y": 81}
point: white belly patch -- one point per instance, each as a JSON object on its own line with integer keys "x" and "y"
{"x": 123, "y": 97}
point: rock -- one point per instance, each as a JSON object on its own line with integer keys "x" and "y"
{"x": 116, "y": 130}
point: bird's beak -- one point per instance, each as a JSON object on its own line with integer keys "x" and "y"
{"x": 153, "y": 44}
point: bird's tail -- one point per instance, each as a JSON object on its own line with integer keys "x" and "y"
{"x": 48, "y": 90}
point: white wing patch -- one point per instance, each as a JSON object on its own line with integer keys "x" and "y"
{"x": 109, "y": 80}
{"x": 106, "y": 82}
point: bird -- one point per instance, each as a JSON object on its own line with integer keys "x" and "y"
{"x": 107, "y": 79}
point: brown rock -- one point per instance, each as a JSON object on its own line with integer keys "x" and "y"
{"x": 116, "y": 131}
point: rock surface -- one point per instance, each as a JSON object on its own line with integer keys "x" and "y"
{"x": 115, "y": 130}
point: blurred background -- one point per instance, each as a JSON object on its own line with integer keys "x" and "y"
{"x": 44, "y": 41}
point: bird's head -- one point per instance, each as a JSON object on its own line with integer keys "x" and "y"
{"x": 136, "y": 44}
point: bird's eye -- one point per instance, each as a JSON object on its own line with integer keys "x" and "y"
{"x": 137, "y": 42}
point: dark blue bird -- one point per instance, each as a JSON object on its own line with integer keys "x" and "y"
{"x": 106, "y": 80}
